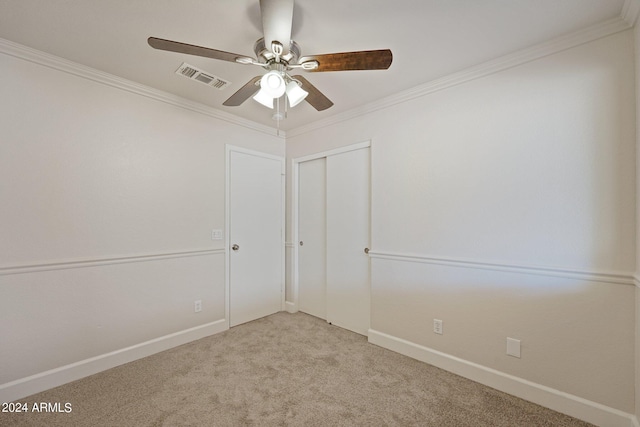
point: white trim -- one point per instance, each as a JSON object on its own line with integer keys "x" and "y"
{"x": 630, "y": 12}
{"x": 54, "y": 377}
{"x": 559, "y": 44}
{"x": 636, "y": 279}
{"x": 93, "y": 262}
{"x": 335, "y": 151}
{"x": 635, "y": 421}
{"x": 290, "y": 307}
{"x": 283, "y": 232}
{"x": 566, "y": 403}
{"x": 295, "y": 188}
{"x": 227, "y": 220}
{"x": 41, "y": 58}
{"x": 621, "y": 278}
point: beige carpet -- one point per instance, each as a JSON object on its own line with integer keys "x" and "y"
{"x": 285, "y": 369}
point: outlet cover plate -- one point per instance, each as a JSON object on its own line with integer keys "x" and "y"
{"x": 437, "y": 326}
{"x": 513, "y": 347}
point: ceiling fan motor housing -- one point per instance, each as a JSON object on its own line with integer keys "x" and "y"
{"x": 268, "y": 56}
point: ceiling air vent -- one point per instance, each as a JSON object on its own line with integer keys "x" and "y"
{"x": 198, "y": 75}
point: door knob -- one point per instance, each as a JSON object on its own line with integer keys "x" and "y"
{"x": 301, "y": 243}
{"x": 235, "y": 247}
{"x": 366, "y": 250}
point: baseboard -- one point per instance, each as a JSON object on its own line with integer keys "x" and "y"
{"x": 55, "y": 377}
{"x": 290, "y": 307}
{"x": 565, "y": 403}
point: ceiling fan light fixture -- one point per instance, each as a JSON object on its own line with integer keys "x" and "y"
{"x": 273, "y": 84}
{"x": 264, "y": 98}
{"x": 295, "y": 93}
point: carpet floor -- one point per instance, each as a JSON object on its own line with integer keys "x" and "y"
{"x": 285, "y": 369}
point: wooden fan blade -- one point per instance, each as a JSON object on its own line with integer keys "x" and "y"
{"x": 315, "y": 97}
{"x": 345, "y": 61}
{"x": 243, "y": 93}
{"x": 277, "y": 19}
{"x": 190, "y": 49}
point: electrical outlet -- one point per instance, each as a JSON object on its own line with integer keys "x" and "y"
{"x": 197, "y": 306}
{"x": 437, "y": 326}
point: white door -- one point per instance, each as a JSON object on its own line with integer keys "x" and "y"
{"x": 312, "y": 232}
{"x": 348, "y": 219}
{"x": 255, "y": 236}
{"x": 333, "y": 229}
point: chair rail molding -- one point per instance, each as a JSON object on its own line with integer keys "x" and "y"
{"x": 620, "y": 278}
{"x": 93, "y": 262}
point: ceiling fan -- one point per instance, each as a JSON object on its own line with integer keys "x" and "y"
{"x": 278, "y": 54}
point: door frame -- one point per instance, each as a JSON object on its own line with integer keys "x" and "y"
{"x": 295, "y": 182}
{"x": 227, "y": 223}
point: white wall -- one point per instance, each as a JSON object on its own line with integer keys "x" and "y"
{"x": 505, "y": 207}
{"x": 107, "y": 202}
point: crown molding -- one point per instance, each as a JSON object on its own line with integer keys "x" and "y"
{"x": 630, "y": 12}
{"x": 559, "y": 44}
{"x": 51, "y": 61}
{"x": 628, "y": 18}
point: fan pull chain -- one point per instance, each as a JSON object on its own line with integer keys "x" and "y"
{"x": 286, "y": 106}
{"x": 278, "y": 116}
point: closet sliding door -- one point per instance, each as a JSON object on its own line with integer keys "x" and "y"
{"x": 312, "y": 249}
{"x": 348, "y": 294}
{"x": 333, "y": 228}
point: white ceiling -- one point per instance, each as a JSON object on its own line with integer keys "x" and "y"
{"x": 429, "y": 39}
